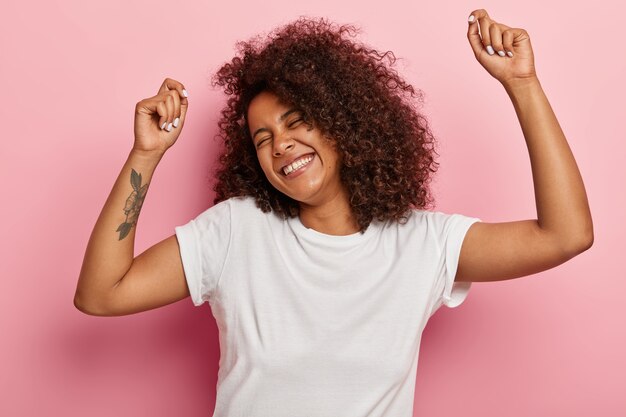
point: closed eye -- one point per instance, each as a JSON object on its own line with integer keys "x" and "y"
{"x": 259, "y": 143}
{"x": 295, "y": 122}
{"x": 291, "y": 125}
{"x": 299, "y": 121}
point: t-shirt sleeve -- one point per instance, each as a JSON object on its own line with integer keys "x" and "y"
{"x": 204, "y": 244}
{"x": 450, "y": 231}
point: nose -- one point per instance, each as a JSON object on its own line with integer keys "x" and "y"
{"x": 282, "y": 144}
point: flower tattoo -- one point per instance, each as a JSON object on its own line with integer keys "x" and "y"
{"x": 133, "y": 204}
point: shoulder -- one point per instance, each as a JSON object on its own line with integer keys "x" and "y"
{"x": 231, "y": 206}
{"x": 240, "y": 212}
{"x": 426, "y": 218}
{"x": 437, "y": 223}
{"x": 437, "y": 217}
{"x": 244, "y": 207}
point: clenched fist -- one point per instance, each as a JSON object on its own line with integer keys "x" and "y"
{"x": 505, "y": 52}
{"x": 160, "y": 119}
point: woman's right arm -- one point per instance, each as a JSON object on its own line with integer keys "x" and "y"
{"x": 112, "y": 282}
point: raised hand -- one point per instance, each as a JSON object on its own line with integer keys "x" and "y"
{"x": 506, "y": 53}
{"x": 160, "y": 119}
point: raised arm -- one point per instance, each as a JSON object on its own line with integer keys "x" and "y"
{"x": 112, "y": 282}
{"x": 563, "y": 228}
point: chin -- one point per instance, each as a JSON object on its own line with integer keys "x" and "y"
{"x": 298, "y": 197}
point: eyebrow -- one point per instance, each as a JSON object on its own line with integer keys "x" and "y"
{"x": 280, "y": 119}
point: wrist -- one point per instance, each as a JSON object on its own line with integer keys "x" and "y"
{"x": 521, "y": 84}
{"x": 146, "y": 156}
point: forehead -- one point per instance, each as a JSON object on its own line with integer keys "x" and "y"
{"x": 266, "y": 107}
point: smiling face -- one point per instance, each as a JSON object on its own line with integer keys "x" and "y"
{"x": 294, "y": 155}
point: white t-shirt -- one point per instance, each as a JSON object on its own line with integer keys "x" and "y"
{"x": 316, "y": 325}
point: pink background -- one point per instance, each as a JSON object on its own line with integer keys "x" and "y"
{"x": 551, "y": 344}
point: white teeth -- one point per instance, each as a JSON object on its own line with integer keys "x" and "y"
{"x": 297, "y": 164}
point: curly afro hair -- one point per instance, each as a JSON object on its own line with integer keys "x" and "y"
{"x": 353, "y": 95}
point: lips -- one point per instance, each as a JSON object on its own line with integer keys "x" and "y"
{"x": 297, "y": 163}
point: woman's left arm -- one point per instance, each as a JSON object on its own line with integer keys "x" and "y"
{"x": 563, "y": 228}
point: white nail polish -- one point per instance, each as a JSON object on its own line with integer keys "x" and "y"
{"x": 509, "y": 53}
{"x": 163, "y": 125}
{"x": 501, "y": 53}
{"x": 185, "y": 93}
{"x": 169, "y": 127}
{"x": 471, "y": 18}
{"x": 490, "y": 50}
{"x": 176, "y": 120}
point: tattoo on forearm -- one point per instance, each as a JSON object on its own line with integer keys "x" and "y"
{"x": 133, "y": 204}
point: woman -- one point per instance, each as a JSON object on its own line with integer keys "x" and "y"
{"x": 319, "y": 261}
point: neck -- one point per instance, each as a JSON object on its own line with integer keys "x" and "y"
{"x": 332, "y": 218}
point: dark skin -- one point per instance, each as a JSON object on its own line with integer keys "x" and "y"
{"x": 112, "y": 283}
{"x": 316, "y": 184}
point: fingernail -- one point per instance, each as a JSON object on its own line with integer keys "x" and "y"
{"x": 163, "y": 125}
{"x": 176, "y": 120}
{"x": 471, "y": 18}
{"x": 501, "y": 53}
{"x": 490, "y": 50}
{"x": 509, "y": 53}
{"x": 185, "y": 93}
{"x": 169, "y": 127}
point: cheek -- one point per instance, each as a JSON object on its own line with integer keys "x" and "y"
{"x": 266, "y": 165}
{"x": 332, "y": 157}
